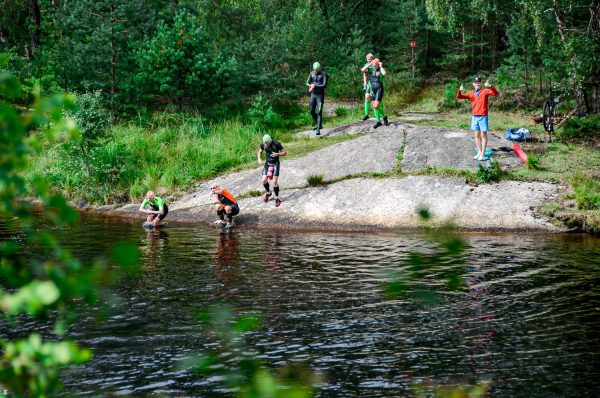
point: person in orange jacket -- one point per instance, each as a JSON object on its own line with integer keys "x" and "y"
{"x": 227, "y": 205}
{"x": 479, "y": 111}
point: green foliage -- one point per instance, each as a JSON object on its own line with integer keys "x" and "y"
{"x": 446, "y": 259}
{"x": 315, "y": 180}
{"x": 341, "y": 112}
{"x": 239, "y": 366}
{"x": 171, "y": 151}
{"x": 180, "y": 61}
{"x": 450, "y": 89}
{"x": 587, "y": 192}
{"x": 92, "y": 120}
{"x": 262, "y": 115}
{"x": 36, "y": 365}
{"x": 580, "y": 128}
{"x": 489, "y": 174}
{"x": 55, "y": 285}
{"x": 477, "y": 390}
{"x": 533, "y": 162}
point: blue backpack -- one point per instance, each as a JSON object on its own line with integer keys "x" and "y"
{"x": 521, "y": 134}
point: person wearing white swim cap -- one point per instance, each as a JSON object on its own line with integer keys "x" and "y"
{"x": 274, "y": 150}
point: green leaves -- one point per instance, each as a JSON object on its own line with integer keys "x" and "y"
{"x": 30, "y": 367}
{"x": 181, "y": 61}
{"x": 31, "y": 299}
{"x": 57, "y": 283}
{"x": 444, "y": 261}
{"x": 239, "y": 366}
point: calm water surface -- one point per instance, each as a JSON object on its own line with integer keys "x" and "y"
{"x": 528, "y": 322}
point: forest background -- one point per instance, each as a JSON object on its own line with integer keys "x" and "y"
{"x": 170, "y": 92}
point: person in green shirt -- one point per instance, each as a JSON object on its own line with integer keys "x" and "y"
{"x": 158, "y": 206}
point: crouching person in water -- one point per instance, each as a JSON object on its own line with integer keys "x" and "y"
{"x": 227, "y": 205}
{"x": 158, "y": 206}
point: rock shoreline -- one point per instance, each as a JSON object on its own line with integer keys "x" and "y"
{"x": 376, "y": 204}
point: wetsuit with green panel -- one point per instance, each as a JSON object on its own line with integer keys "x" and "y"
{"x": 158, "y": 204}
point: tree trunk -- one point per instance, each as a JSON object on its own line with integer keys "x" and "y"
{"x": 426, "y": 55}
{"x": 34, "y": 13}
{"x": 113, "y": 67}
{"x": 580, "y": 94}
{"x": 595, "y": 105}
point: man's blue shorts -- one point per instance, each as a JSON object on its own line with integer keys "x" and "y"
{"x": 479, "y": 123}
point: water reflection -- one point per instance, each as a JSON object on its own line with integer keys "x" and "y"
{"x": 527, "y": 321}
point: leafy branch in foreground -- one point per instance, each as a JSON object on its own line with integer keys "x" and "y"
{"x": 445, "y": 261}
{"x": 55, "y": 286}
{"x": 239, "y": 366}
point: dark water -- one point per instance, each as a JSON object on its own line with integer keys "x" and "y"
{"x": 528, "y": 322}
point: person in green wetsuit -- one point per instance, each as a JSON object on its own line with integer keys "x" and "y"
{"x": 158, "y": 206}
{"x": 317, "y": 82}
{"x": 375, "y": 73}
{"x": 366, "y": 86}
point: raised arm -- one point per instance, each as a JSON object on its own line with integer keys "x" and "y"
{"x": 460, "y": 95}
{"x": 493, "y": 91}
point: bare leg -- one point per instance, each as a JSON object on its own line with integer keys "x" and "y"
{"x": 484, "y": 140}
{"x": 478, "y": 142}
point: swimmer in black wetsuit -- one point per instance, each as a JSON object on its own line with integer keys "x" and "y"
{"x": 274, "y": 151}
{"x": 316, "y": 82}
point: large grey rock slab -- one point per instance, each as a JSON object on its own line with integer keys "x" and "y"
{"x": 360, "y": 127}
{"x": 392, "y": 203}
{"x": 428, "y": 147}
{"x": 371, "y": 153}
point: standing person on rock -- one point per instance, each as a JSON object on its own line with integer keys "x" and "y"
{"x": 317, "y": 82}
{"x": 274, "y": 151}
{"x": 158, "y": 208}
{"x": 366, "y": 85}
{"x": 479, "y": 111}
{"x": 227, "y": 205}
{"x": 375, "y": 73}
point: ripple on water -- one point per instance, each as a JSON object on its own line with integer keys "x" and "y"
{"x": 526, "y": 320}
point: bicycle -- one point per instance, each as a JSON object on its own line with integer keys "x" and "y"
{"x": 549, "y": 113}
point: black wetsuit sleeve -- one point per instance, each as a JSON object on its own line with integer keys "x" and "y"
{"x": 323, "y": 83}
{"x": 308, "y": 80}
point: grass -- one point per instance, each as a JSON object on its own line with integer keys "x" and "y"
{"x": 314, "y": 181}
{"x": 168, "y": 153}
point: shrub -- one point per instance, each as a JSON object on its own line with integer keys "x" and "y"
{"x": 314, "y": 181}
{"x": 91, "y": 118}
{"x": 580, "y": 127}
{"x": 587, "y": 192}
{"x": 262, "y": 115}
{"x": 450, "y": 100}
{"x": 488, "y": 174}
{"x": 341, "y": 112}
